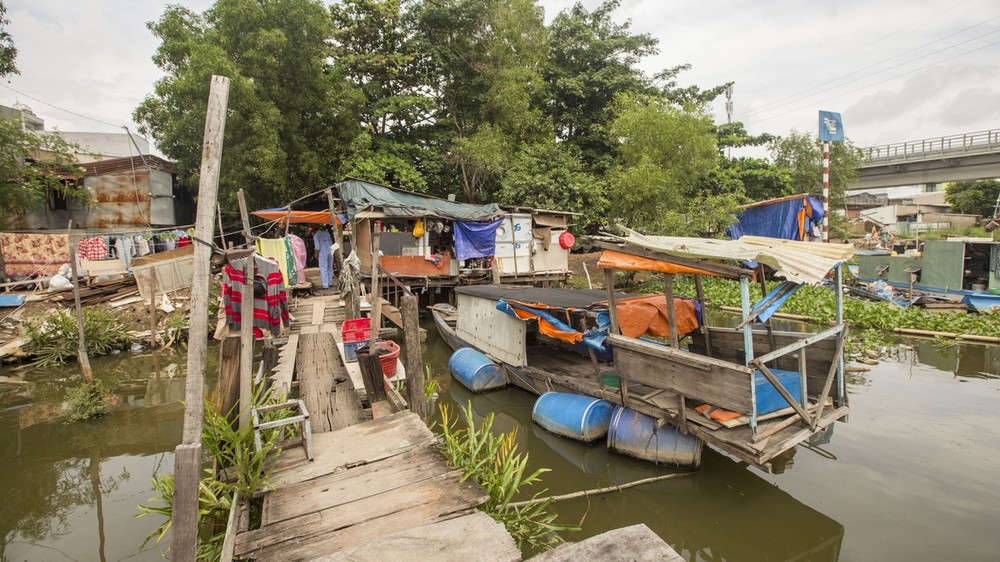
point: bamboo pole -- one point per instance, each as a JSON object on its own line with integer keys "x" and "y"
{"x": 81, "y": 352}
{"x": 152, "y": 306}
{"x": 338, "y": 236}
{"x": 605, "y": 490}
{"x": 187, "y": 456}
{"x": 375, "y": 297}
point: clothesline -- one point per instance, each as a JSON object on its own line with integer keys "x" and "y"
{"x": 112, "y": 232}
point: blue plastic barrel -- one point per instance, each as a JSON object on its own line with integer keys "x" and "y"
{"x": 576, "y": 416}
{"x": 475, "y": 371}
{"x": 636, "y": 435}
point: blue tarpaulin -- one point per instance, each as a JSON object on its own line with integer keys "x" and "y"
{"x": 786, "y": 290}
{"x": 789, "y": 218}
{"x": 475, "y": 239}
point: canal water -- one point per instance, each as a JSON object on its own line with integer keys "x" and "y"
{"x": 910, "y": 477}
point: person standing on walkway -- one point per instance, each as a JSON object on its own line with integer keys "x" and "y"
{"x": 324, "y": 254}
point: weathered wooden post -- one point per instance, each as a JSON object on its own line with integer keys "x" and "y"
{"x": 375, "y": 297}
{"x": 246, "y": 319}
{"x": 187, "y": 455}
{"x": 338, "y": 236}
{"x": 152, "y": 306}
{"x": 81, "y": 352}
{"x": 414, "y": 359}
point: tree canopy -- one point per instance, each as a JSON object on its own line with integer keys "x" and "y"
{"x": 975, "y": 197}
{"x": 476, "y": 98}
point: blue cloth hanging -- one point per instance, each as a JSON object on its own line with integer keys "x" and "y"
{"x": 475, "y": 239}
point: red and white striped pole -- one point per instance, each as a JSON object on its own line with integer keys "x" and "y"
{"x": 826, "y": 191}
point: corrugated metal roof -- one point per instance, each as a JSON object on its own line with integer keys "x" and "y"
{"x": 800, "y": 262}
{"x": 116, "y": 165}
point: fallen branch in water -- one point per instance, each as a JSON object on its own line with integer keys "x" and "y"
{"x": 599, "y": 491}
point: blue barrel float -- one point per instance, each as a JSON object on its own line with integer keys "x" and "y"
{"x": 475, "y": 371}
{"x": 636, "y": 435}
{"x": 579, "y": 417}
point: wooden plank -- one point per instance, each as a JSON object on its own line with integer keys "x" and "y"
{"x": 701, "y": 378}
{"x": 324, "y": 385}
{"x": 229, "y": 376}
{"x": 442, "y": 494}
{"x": 246, "y": 340}
{"x": 841, "y": 341}
{"x": 318, "y": 310}
{"x": 475, "y": 537}
{"x": 668, "y": 285}
{"x": 782, "y": 351}
{"x": 365, "y": 481}
{"x": 357, "y": 445}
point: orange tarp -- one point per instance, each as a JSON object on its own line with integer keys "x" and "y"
{"x": 546, "y": 327}
{"x": 640, "y": 315}
{"x": 297, "y": 217}
{"x": 621, "y": 260}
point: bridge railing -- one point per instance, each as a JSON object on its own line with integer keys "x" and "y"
{"x": 955, "y": 145}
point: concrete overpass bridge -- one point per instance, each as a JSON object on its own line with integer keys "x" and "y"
{"x": 968, "y": 156}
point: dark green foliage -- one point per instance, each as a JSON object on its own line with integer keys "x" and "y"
{"x": 975, "y": 197}
{"x": 8, "y": 52}
{"x": 291, "y": 115}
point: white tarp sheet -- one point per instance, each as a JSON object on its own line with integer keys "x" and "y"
{"x": 799, "y": 262}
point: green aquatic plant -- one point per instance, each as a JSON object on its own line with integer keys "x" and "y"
{"x": 85, "y": 402}
{"x": 55, "y": 338}
{"x": 493, "y": 461}
{"x": 242, "y": 469}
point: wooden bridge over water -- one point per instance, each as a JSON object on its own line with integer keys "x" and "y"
{"x": 376, "y": 487}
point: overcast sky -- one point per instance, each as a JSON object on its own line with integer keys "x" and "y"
{"x": 897, "y": 70}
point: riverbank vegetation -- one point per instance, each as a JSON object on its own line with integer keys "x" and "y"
{"x": 494, "y": 462}
{"x": 54, "y": 336}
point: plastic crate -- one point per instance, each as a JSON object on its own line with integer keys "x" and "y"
{"x": 356, "y": 329}
{"x": 351, "y": 350}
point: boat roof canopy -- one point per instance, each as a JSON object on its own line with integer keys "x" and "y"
{"x": 799, "y": 262}
{"x": 359, "y": 196}
{"x": 553, "y": 297}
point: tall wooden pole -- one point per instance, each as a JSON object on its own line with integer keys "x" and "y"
{"x": 81, "y": 352}
{"x": 246, "y": 319}
{"x": 414, "y": 359}
{"x": 375, "y": 297}
{"x": 187, "y": 456}
{"x": 338, "y": 235}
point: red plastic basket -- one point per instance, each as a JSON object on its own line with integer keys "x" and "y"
{"x": 355, "y": 330}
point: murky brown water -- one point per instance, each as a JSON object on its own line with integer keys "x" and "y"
{"x": 910, "y": 477}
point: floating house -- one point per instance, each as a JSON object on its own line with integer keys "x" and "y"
{"x": 751, "y": 391}
{"x": 963, "y": 269}
{"x": 430, "y": 242}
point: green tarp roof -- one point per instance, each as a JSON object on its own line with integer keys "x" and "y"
{"x": 359, "y": 195}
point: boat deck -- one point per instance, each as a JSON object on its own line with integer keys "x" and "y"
{"x": 553, "y": 369}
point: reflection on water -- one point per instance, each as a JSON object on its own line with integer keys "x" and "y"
{"x": 70, "y": 491}
{"x": 910, "y": 477}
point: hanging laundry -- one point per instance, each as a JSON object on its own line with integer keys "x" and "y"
{"x": 270, "y": 306}
{"x": 92, "y": 249}
{"x": 324, "y": 252}
{"x": 142, "y": 246}
{"x": 300, "y": 253}
{"x": 278, "y": 250}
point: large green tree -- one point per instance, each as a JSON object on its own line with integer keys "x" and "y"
{"x": 801, "y": 155}
{"x": 664, "y": 154}
{"x": 592, "y": 60}
{"x": 292, "y": 117}
{"x": 975, "y": 197}
{"x": 373, "y": 45}
{"x": 483, "y": 62}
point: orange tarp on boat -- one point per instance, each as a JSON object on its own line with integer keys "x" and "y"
{"x": 621, "y": 260}
{"x": 297, "y": 217}
{"x": 640, "y": 315}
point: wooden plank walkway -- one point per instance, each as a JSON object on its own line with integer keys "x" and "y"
{"x": 367, "y": 481}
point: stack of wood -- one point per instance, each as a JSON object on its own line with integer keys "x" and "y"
{"x": 101, "y": 292}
